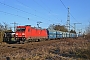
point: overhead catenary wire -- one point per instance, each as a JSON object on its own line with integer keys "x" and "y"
{"x": 67, "y": 10}
{"x": 46, "y": 6}
{"x": 41, "y": 6}
{"x": 63, "y": 4}
{"x": 14, "y": 8}
{"x": 31, "y": 8}
{"x": 21, "y": 10}
{"x": 48, "y": 10}
{"x": 13, "y": 14}
{"x": 28, "y": 12}
{"x": 27, "y": 6}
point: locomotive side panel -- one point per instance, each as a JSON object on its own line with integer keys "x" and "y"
{"x": 38, "y": 33}
{"x": 30, "y": 33}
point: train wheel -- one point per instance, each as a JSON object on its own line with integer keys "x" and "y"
{"x": 21, "y": 42}
{"x": 38, "y": 40}
{"x": 18, "y": 41}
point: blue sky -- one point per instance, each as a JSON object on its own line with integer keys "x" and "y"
{"x": 46, "y": 11}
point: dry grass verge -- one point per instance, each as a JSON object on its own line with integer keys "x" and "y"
{"x": 68, "y": 49}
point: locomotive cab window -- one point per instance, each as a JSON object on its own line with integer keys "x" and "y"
{"x": 20, "y": 29}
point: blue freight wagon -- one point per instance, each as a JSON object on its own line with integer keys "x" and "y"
{"x": 51, "y": 34}
{"x": 67, "y": 34}
{"x": 64, "y": 34}
{"x": 72, "y": 35}
{"x": 59, "y": 34}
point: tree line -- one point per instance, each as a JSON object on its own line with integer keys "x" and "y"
{"x": 5, "y": 27}
{"x": 60, "y": 28}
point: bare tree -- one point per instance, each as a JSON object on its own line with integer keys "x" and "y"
{"x": 58, "y": 27}
{"x": 51, "y": 26}
{"x": 73, "y": 31}
{"x": 1, "y": 27}
{"x": 61, "y": 28}
{"x": 4, "y": 27}
{"x": 88, "y": 31}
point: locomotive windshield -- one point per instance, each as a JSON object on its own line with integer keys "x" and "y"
{"x": 20, "y": 29}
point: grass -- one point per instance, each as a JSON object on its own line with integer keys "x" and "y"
{"x": 68, "y": 49}
{"x": 83, "y": 53}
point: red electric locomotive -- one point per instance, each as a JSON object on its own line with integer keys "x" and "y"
{"x": 28, "y": 33}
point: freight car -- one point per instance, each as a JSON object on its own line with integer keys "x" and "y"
{"x": 28, "y": 33}
{"x": 51, "y": 34}
{"x": 8, "y": 36}
{"x": 59, "y": 34}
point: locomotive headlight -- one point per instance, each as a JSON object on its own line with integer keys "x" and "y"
{"x": 16, "y": 33}
{"x": 23, "y": 34}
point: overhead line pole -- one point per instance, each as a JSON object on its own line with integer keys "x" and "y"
{"x": 68, "y": 20}
{"x": 14, "y": 25}
{"x": 75, "y": 25}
